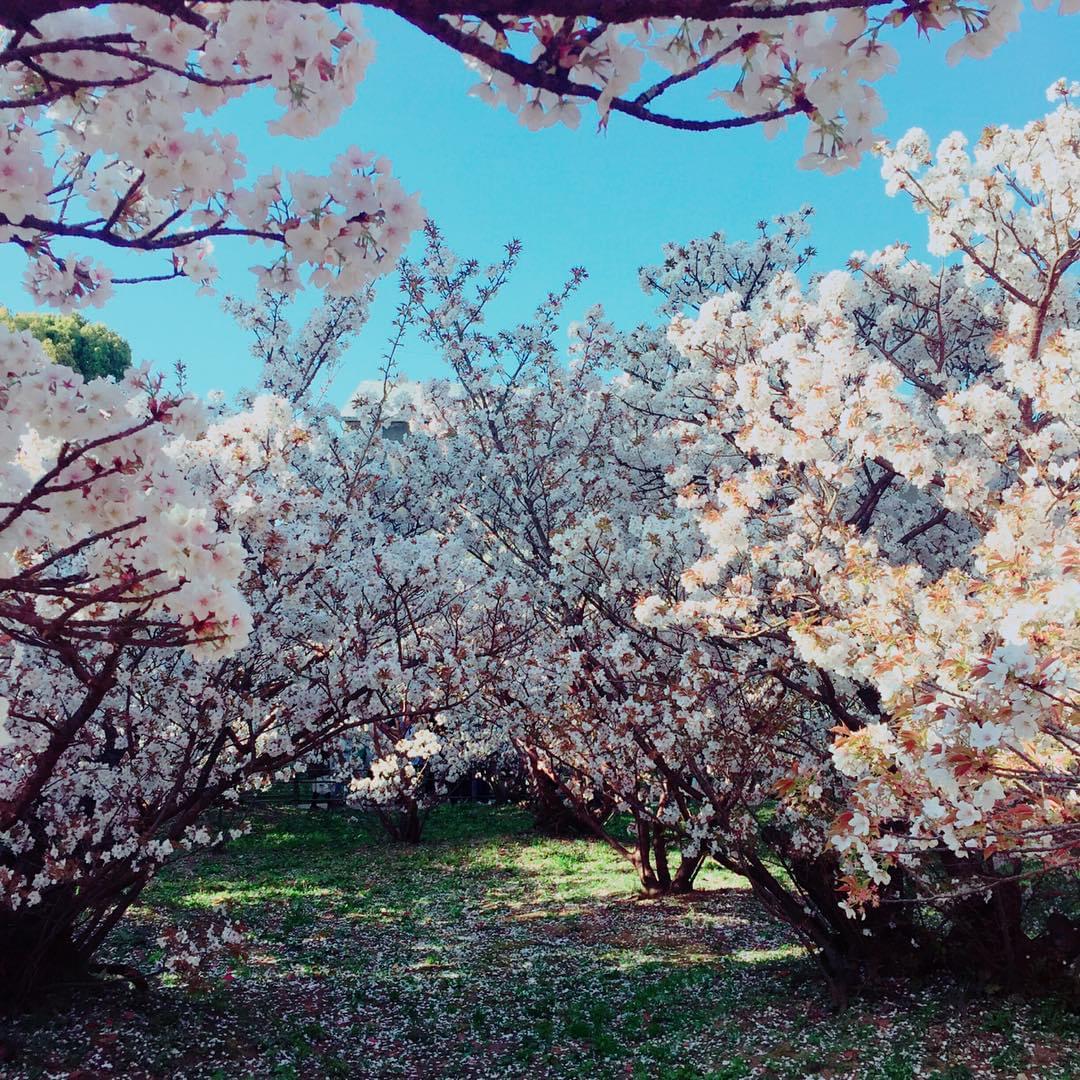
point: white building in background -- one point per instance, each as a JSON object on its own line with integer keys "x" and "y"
{"x": 404, "y": 400}
{"x": 406, "y": 408}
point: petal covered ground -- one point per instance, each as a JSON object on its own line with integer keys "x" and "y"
{"x": 489, "y": 952}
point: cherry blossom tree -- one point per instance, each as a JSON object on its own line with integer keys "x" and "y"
{"x": 258, "y": 590}
{"x": 828, "y": 678}
{"x": 108, "y": 550}
{"x": 889, "y": 498}
{"x": 762, "y": 719}
{"x": 550, "y": 480}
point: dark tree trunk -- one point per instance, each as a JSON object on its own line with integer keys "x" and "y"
{"x": 885, "y": 940}
{"x": 660, "y": 858}
{"x": 986, "y": 938}
{"x": 643, "y": 850}
{"x": 554, "y": 816}
{"x": 652, "y": 860}
{"x": 683, "y": 881}
{"x": 404, "y": 825}
{"x": 38, "y": 949}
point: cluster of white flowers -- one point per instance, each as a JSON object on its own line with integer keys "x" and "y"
{"x": 98, "y": 521}
{"x": 102, "y": 142}
{"x": 104, "y": 139}
{"x": 891, "y": 484}
{"x": 820, "y": 64}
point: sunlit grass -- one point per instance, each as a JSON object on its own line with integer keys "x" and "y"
{"x": 765, "y": 956}
{"x": 247, "y": 894}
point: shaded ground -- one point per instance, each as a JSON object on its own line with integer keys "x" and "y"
{"x": 487, "y": 952}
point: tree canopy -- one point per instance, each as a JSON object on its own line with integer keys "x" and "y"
{"x": 91, "y": 349}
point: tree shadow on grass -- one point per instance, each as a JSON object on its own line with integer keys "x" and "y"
{"x": 498, "y": 1003}
{"x": 494, "y": 954}
{"x": 599, "y": 991}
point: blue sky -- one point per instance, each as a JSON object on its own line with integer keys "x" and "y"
{"x": 607, "y": 201}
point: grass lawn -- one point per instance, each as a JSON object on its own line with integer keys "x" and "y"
{"x": 487, "y": 952}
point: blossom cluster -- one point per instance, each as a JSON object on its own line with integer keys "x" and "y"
{"x": 107, "y": 139}
{"x": 820, "y": 64}
{"x": 103, "y": 141}
{"x": 99, "y": 524}
{"x": 892, "y": 490}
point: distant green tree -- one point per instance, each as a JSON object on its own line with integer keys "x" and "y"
{"x": 92, "y": 349}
